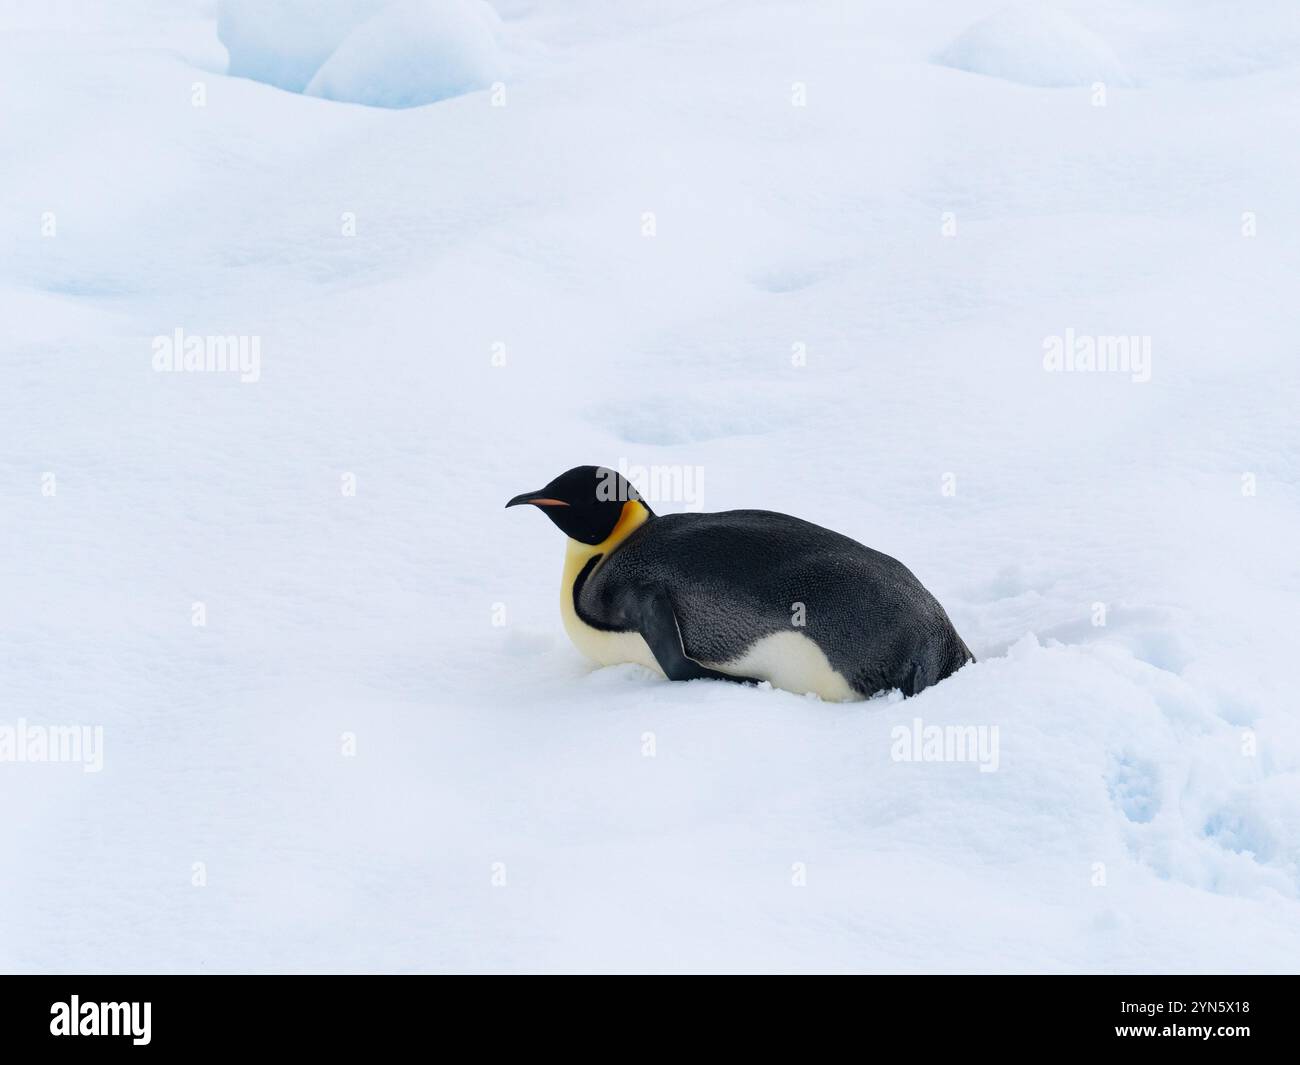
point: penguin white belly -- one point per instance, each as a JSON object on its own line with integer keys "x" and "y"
{"x": 607, "y": 648}
{"x": 792, "y": 662}
{"x": 603, "y": 647}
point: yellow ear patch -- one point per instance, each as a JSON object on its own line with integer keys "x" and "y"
{"x": 633, "y": 517}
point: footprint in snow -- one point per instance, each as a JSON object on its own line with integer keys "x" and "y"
{"x": 1134, "y": 786}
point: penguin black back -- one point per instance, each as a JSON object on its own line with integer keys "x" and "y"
{"x": 741, "y": 575}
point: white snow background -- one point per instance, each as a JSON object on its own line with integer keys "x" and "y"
{"x": 949, "y": 194}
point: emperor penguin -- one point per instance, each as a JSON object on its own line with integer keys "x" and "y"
{"x": 741, "y": 595}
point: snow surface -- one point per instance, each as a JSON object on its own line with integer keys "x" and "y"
{"x": 384, "y": 53}
{"x": 285, "y": 42}
{"x": 917, "y": 231}
{"x": 414, "y": 52}
{"x": 1035, "y": 45}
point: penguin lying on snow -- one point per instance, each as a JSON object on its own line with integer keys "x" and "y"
{"x": 744, "y": 595}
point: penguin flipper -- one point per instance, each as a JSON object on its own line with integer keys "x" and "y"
{"x": 661, "y": 631}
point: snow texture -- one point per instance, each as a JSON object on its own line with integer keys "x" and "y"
{"x": 414, "y": 52}
{"x": 775, "y": 245}
{"x": 285, "y": 42}
{"x": 1034, "y": 45}
{"x": 384, "y": 53}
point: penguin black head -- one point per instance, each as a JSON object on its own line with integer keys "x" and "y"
{"x": 585, "y": 503}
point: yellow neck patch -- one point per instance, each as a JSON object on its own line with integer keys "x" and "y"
{"x": 635, "y": 514}
{"x": 577, "y": 554}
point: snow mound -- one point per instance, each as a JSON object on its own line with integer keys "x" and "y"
{"x": 284, "y": 42}
{"x": 386, "y": 53}
{"x": 1034, "y": 46}
{"x": 412, "y": 53}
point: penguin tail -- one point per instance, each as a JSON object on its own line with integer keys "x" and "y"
{"x": 932, "y": 667}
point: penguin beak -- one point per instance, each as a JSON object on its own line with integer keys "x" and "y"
{"x": 537, "y": 500}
